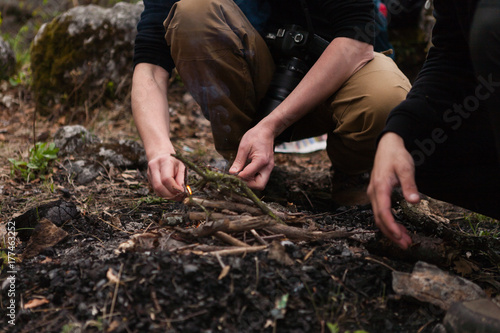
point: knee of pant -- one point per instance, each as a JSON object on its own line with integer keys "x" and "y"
{"x": 192, "y": 14}
{"x": 382, "y": 99}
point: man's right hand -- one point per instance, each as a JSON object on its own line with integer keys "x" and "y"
{"x": 166, "y": 175}
{"x": 393, "y": 166}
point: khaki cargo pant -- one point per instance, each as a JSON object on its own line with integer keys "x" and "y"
{"x": 227, "y": 67}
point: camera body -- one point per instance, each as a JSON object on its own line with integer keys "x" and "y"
{"x": 294, "y": 50}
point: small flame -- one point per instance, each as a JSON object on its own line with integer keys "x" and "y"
{"x": 189, "y": 190}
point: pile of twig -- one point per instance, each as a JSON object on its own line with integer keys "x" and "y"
{"x": 239, "y": 218}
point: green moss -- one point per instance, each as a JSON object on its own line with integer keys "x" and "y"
{"x": 58, "y": 60}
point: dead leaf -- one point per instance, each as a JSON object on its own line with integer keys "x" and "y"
{"x": 46, "y": 234}
{"x": 278, "y": 253}
{"x": 464, "y": 266}
{"x": 112, "y": 277}
{"x": 309, "y": 254}
{"x": 127, "y": 176}
{"x": 113, "y": 326}
{"x": 224, "y": 272}
{"x": 36, "y": 302}
{"x": 46, "y": 260}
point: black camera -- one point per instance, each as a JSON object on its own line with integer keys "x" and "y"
{"x": 294, "y": 50}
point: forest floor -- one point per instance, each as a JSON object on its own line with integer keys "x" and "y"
{"x": 116, "y": 258}
{"x": 124, "y": 260}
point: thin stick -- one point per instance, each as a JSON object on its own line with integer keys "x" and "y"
{"x": 258, "y": 238}
{"x": 239, "y": 250}
{"x": 230, "y": 239}
{"x": 115, "y": 294}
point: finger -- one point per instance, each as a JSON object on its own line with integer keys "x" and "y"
{"x": 254, "y": 168}
{"x": 239, "y": 161}
{"x": 260, "y": 179}
{"x": 380, "y": 194}
{"x": 405, "y": 241}
{"x": 163, "y": 184}
{"x": 173, "y": 181}
{"x": 180, "y": 176}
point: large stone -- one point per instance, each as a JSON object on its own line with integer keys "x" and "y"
{"x": 86, "y": 157}
{"x": 7, "y": 60}
{"x": 84, "y": 54}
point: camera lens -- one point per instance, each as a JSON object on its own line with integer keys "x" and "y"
{"x": 289, "y": 72}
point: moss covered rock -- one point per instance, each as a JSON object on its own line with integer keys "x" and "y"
{"x": 84, "y": 56}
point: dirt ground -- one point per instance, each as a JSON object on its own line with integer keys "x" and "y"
{"x": 170, "y": 280}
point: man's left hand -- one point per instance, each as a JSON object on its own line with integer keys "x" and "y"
{"x": 257, "y": 147}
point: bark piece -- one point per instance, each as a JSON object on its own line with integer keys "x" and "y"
{"x": 428, "y": 283}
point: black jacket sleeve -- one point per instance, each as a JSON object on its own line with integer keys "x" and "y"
{"x": 445, "y": 80}
{"x": 150, "y": 45}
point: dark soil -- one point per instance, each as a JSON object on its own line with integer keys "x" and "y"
{"x": 345, "y": 281}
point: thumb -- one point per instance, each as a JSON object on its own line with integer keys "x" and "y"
{"x": 409, "y": 188}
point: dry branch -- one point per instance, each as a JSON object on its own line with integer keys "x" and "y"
{"x": 300, "y": 234}
{"x": 222, "y": 205}
{"x": 232, "y": 206}
{"x": 243, "y": 223}
{"x": 421, "y": 216}
{"x": 231, "y": 224}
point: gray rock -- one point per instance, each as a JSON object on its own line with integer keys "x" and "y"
{"x": 122, "y": 154}
{"x": 89, "y": 157}
{"x": 84, "y": 171}
{"x": 71, "y": 139}
{"x": 7, "y": 60}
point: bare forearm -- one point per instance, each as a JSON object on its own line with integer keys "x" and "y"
{"x": 341, "y": 59}
{"x": 150, "y": 109}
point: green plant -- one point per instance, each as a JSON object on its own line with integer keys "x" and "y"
{"x": 334, "y": 328}
{"x": 478, "y": 225}
{"x": 39, "y": 160}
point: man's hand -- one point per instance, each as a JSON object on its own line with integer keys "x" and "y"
{"x": 150, "y": 110}
{"x": 393, "y": 166}
{"x": 256, "y": 146}
{"x": 166, "y": 176}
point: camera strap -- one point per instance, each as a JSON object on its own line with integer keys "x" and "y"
{"x": 305, "y": 8}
